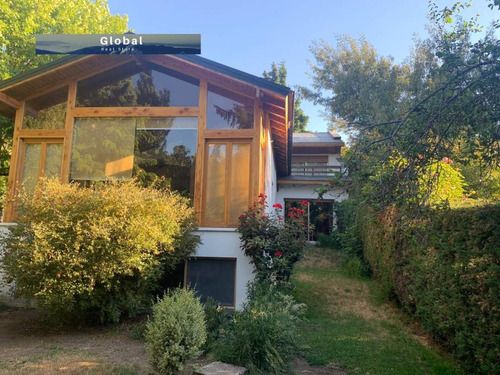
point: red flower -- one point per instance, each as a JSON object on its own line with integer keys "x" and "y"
{"x": 262, "y": 195}
{"x": 280, "y": 218}
{"x": 278, "y": 254}
{"x": 277, "y": 205}
{"x": 241, "y": 217}
{"x": 304, "y": 203}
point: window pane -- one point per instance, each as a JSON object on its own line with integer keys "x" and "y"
{"x": 240, "y": 180}
{"x": 102, "y": 148}
{"x": 166, "y": 148}
{"x": 47, "y": 111}
{"x": 216, "y": 184}
{"x": 213, "y": 278}
{"x": 132, "y": 85}
{"x": 31, "y": 166}
{"x": 53, "y": 160}
{"x": 227, "y": 110}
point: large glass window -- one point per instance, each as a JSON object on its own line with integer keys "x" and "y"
{"x": 133, "y": 85}
{"x": 147, "y": 147}
{"x": 227, "y": 182}
{"x": 227, "y": 110}
{"x": 213, "y": 278}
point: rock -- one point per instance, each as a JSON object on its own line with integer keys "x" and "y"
{"x": 219, "y": 368}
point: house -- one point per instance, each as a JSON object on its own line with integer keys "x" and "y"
{"x": 216, "y": 134}
{"x": 315, "y": 159}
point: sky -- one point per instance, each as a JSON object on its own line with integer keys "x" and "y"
{"x": 250, "y": 35}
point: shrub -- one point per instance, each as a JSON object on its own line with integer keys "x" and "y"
{"x": 216, "y": 319}
{"x": 331, "y": 241}
{"x": 177, "y": 331}
{"x": 95, "y": 253}
{"x": 273, "y": 244}
{"x": 263, "y": 337}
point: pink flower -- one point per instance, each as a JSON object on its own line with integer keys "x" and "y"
{"x": 278, "y": 254}
{"x": 280, "y": 218}
{"x": 304, "y": 203}
{"x": 277, "y": 205}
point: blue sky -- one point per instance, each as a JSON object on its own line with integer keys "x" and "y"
{"x": 250, "y": 35}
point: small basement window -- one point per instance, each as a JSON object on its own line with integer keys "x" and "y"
{"x": 213, "y": 277}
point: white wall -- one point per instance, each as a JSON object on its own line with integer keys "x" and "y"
{"x": 225, "y": 243}
{"x": 270, "y": 184}
{"x": 291, "y": 191}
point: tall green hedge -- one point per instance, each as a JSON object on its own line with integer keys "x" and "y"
{"x": 444, "y": 268}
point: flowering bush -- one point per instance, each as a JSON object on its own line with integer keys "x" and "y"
{"x": 273, "y": 243}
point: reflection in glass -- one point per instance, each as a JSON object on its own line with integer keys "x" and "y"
{"x": 240, "y": 180}
{"x": 31, "y": 168}
{"x": 148, "y": 148}
{"x": 53, "y": 117}
{"x": 53, "y": 160}
{"x": 138, "y": 86}
{"x": 216, "y": 184}
{"x": 226, "y": 110}
{"x": 102, "y": 148}
{"x": 166, "y": 148}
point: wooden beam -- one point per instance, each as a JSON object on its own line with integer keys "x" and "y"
{"x": 200, "y": 155}
{"x": 136, "y": 112}
{"x": 230, "y": 134}
{"x": 4, "y": 98}
{"x": 68, "y": 128}
{"x": 9, "y": 212}
{"x": 274, "y": 109}
{"x": 42, "y": 133}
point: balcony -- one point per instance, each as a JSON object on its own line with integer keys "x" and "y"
{"x": 315, "y": 170}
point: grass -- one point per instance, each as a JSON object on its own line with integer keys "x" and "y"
{"x": 62, "y": 361}
{"x": 349, "y": 327}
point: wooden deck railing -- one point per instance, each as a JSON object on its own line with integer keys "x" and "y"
{"x": 314, "y": 170}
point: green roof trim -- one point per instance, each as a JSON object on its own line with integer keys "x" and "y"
{"x": 209, "y": 64}
{"x": 41, "y": 69}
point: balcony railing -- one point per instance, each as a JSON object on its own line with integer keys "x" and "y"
{"x": 315, "y": 170}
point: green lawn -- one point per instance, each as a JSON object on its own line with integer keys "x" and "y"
{"x": 347, "y": 326}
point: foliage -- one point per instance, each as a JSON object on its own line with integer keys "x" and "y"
{"x": 177, "y": 331}
{"x": 443, "y": 267}
{"x": 273, "y": 243}
{"x": 279, "y": 75}
{"x": 263, "y": 337}
{"x": 94, "y": 254}
{"x": 216, "y": 320}
{"x": 442, "y": 101}
{"x": 21, "y": 20}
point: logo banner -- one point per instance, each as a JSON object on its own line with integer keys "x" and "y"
{"x": 118, "y": 44}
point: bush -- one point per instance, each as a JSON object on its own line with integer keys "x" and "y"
{"x": 216, "y": 319}
{"x": 263, "y": 337}
{"x": 272, "y": 243}
{"x": 94, "y": 254}
{"x": 330, "y": 241}
{"x": 177, "y": 331}
{"x": 444, "y": 268}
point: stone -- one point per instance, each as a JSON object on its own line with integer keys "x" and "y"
{"x": 219, "y": 368}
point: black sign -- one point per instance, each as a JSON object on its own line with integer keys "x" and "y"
{"x": 118, "y": 44}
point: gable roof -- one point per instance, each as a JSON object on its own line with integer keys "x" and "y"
{"x": 54, "y": 77}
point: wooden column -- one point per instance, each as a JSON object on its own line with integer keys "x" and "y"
{"x": 14, "y": 165}
{"x": 200, "y": 154}
{"x": 70, "y": 106}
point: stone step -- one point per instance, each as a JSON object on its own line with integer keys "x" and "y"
{"x": 219, "y": 368}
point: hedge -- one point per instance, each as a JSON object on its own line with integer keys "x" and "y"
{"x": 443, "y": 267}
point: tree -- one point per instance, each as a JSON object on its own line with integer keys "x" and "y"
{"x": 443, "y": 101}
{"x": 20, "y": 20}
{"x": 278, "y": 74}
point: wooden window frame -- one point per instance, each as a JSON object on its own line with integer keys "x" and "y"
{"x": 229, "y": 144}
